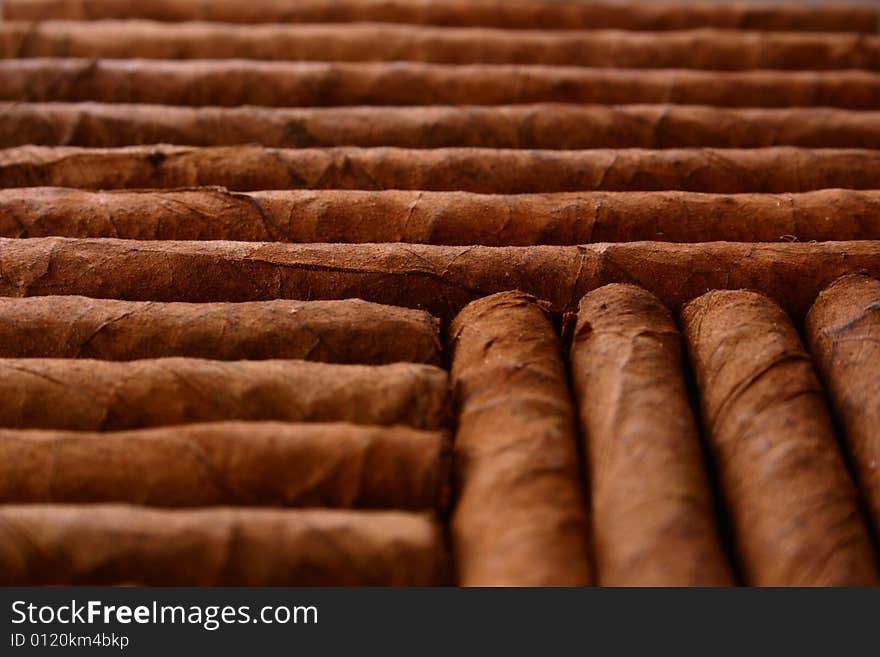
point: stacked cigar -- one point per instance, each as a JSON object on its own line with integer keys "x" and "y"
{"x": 220, "y": 417}
{"x": 373, "y": 292}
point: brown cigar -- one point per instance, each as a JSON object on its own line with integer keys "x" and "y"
{"x": 493, "y": 171}
{"x": 520, "y": 518}
{"x": 350, "y": 331}
{"x": 353, "y": 216}
{"x": 111, "y": 544}
{"x": 250, "y": 82}
{"x": 704, "y": 49}
{"x": 793, "y": 507}
{"x": 653, "y": 514}
{"x": 439, "y": 279}
{"x": 96, "y": 395}
{"x": 843, "y": 330}
{"x": 496, "y": 13}
{"x": 234, "y": 463}
{"x": 510, "y": 126}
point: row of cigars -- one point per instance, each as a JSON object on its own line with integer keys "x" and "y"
{"x": 440, "y": 218}
{"x": 770, "y": 502}
{"x": 510, "y": 14}
{"x": 268, "y": 443}
{"x": 230, "y": 412}
{"x": 482, "y": 170}
{"x": 232, "y": 82}
{"x": 706, "y": 49}
{"x": 561, "y": 127}
{"x": 438, "y": 279}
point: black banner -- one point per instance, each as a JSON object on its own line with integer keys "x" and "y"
{"x": 145, "y": 621}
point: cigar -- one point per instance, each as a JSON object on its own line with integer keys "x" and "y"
{"x": 113, "y": 544}
{"x": 349, "y": 331}
{"x": 96, "y": 395}
{"x": 438, "y": 279}
{"x": 520, "y": 519}
{"x": 311, "y": 84}
{"x": 228, "y": 463}
{"x": 506, "y": 14}
{"x": 707, "y": 49}
{"x": 543, "y": 126}
{"x": 451, "y": 218}
{"x": 793, "y": 508}
{"x": 490, "y": 171}
{"x": 843, "y": 330}
{"x": 652, "y": 511}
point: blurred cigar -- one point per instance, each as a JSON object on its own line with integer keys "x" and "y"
{"x": 708, "y": 49}
{"x": 96, "y": 395}
{"x": 349, "y": 331}
{"x": 545, "y": 126}
{"x": 229, "y": 463}
{"x": 312, "y": 84}
{"x": 484, "y": 170}
{"x": 631, "y": 15}
{"x": 843, "y": 330}
{"x": 109, "y": 544}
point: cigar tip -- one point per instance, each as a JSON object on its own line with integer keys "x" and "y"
{"x": 849, "y": 292}
{"x": 499, "y": 300}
